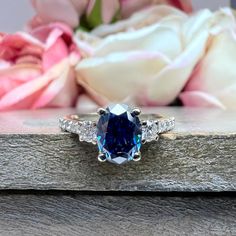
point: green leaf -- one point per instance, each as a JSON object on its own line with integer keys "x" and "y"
{"x": 95, "y": 17}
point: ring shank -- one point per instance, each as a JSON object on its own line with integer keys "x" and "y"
{"x": 85, "y": 124}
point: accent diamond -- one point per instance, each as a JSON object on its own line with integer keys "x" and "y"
{"x": 150, "y": 131}
{"x": 87, "y": 131}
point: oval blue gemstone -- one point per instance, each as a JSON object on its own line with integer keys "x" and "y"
{"x": 119, "y": 134}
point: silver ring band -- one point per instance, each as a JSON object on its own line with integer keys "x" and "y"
{"x": 119, "y": 131}
{"x": 85, "y": 126}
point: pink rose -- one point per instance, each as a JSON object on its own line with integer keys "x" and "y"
{"x": 36, "y": 70}
{"x": 145, "y": 60}
{"x": 66, "y": 11}
{"x": 128, "y": 7}
{"x": 213, "y": 82}
{"x": 71, "y": 11}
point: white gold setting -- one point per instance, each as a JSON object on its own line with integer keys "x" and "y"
{"x": 118, "y": 131}
{"x": 86, "y": 129}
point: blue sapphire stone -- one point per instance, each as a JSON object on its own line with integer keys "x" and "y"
{"x": 119, "y": 134}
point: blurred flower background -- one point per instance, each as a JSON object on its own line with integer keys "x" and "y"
{"x": 89, "y": 53}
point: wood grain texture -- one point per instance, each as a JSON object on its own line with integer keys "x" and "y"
{"x": 75, "y": 214}
{"x": 199, "y": 155}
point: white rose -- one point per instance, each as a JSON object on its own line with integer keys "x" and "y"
{"x": 146, "y": 59}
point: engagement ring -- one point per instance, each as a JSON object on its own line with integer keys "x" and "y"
{"x": 118, "y": 131}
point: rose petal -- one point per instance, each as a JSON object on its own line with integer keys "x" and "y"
{"x": 227, "y": 96}
{"x": 35, "y": 22}
{"x": 196, "y": 24}
{"x": 48, "y": 34}
{"x": 85, "y": 104}
{"x": 80, "y": 5}
{"x": 55, "y": 54}
{"x": 57, "y": 10}
{"x": 128, "y": 7}
{"x": 116, "y": 76}
{"x": 166, "y": 85}
{"x": 17, "y": 96}
{"x": 200, "y": 99}
{"x": 19, "y": 40}
{"x": 90, "y": 6}
{"x": 216, "y": 74}
{"x": 139, "y": 20}
{"x": 144, "y": 39}
{"x": 224, "y": 19}
{"x": 28, "y": 60}
{"x": 31, "y": 50}
{"x": 4, "y": 64}
{"x": 14, "y": 76}
{"x": 62, "y": 90}
{"x": 98, "y": 98}
{"x": 12, "y": 44}
{"x": 185, "y": 5}
{"x": 20, "y": 73}
{"x": 109, "y": 10}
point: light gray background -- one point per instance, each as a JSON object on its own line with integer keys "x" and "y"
{"x": 14, "y": 13}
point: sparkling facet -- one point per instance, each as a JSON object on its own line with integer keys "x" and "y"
{"x": 119, "y": 134}
{"x": 150, "y": 131}
{"x": 87, "y": 131}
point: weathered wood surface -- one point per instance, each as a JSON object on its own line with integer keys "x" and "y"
{"x": 71, "y": 215}
{"x": 199, "y": 155}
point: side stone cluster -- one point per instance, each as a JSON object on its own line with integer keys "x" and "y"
{"x": 86, "y": 130}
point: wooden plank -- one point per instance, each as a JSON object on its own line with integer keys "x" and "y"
{"x": 28, "y": 214}
{"x": 199, "y": 155}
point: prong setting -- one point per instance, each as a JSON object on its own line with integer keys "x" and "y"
{"x": 137, "y": 156}
{"x": 94, "y": 142}
{"x": 136, "y": 112}
{"x": 144, "y": 123}
{"x": 101, "y": 157}
{"x": 101, "y": 111}
{"x": 144, "y": 141}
